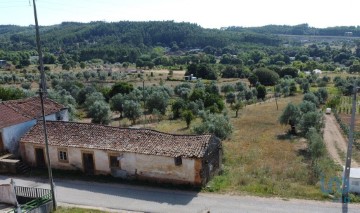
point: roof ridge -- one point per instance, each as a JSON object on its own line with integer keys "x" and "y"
{"x": 128, "y": 128}
{"x": 119, "y": 139}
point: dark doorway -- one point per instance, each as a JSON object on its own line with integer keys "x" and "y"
{"x": 88, "y": 161}
{"x": 1, "y": 143}
{"x": 40, "y": 157}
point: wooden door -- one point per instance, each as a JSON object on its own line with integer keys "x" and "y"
{"x": 88, "y": 162}
{"x": 40, "y": 157}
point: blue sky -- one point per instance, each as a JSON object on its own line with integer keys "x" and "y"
{"x": 207, "y": 13}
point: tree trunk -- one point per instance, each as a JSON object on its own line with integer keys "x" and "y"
{"x": 293, "y": 130}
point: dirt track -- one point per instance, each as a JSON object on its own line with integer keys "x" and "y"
{"x": 335, "y": 141}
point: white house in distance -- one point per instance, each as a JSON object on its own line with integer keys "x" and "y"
{"x": 2, "y": 63}
{"x": 18, "y": 116}
{"x": 190, "y": 78}
{"x": 124, "y": 152}
{"x": 317, "y": 71}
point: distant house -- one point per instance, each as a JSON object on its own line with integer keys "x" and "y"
{"x": 123, "y": 152}
{"x": 348, "y": 34}
{"x": 190, "y": 78}
{"x": 18, "y": 116}
{"x": 317, "y": 71}
{"x": 2, "y": 63}
{"x": 132, "y": 71}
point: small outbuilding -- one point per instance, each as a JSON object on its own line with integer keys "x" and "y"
{"x": 124, "y": 152}
{"x": 317, "y": 71}
{"x": 190, "y": 78}
{"x": 354, "y": 180}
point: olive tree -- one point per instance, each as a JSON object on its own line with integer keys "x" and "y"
{"x": 290, "y": 116}
{"x": 188, "y": 116}
{"x": 117, "y": 102}
{"x": 237, "y": 106}
{"x": 100, "y": 112}
{"x": 92, "y": 98}
{"x": 312, "y": 98}
{"x": 177, "y": 106}
{"x": 230, "y": 98}
{"x": 157, "y": 100}
{"x": 216, "y": 124}
{"x": 310, "y": 120}
{"x": 132, "y": 110}
{"x": 316, "y": 146}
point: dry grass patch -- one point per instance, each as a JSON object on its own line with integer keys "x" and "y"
{"x": 174, "y": 126}
{"x": 261, "y": 159}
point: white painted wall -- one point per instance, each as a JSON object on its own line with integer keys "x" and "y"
{"x": 151, "y": 166}
{"x": 65, "y": 115}
{"x": 158, "y": 167}
{"x": 28, "y": 153}
{"x": 7, "y": 194}
{"x": 12, "y": 134}
{"x": 354, "y": 185}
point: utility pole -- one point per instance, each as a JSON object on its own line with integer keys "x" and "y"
{"x": 144, "y": 102}
{"x": 346, "y": 180}
{"x": 38, "y": 44}
{"x": 42, "y": 92}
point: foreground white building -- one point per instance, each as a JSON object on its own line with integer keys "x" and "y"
{"x": 142, "y": 154}
{"x": 18, "y": 116}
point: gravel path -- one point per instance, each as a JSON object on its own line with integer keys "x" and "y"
{"x": 335, "y": 141}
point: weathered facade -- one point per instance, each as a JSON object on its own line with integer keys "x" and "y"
{"x": 18, "y": 116}
{"x": 126, "y": 153}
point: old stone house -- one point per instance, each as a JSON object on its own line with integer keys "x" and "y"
{"x": 124, "y": 152}
{"x": 18, "y": 116}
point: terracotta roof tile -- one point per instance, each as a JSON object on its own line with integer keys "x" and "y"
{"x": 144, "y": 141}
{"x": 22, "y": 110}
{"x": 9, "y": 116}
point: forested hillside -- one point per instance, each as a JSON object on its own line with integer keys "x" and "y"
{"x": 118, "y": 36}
{"x": 171, "y": 44}
{"x": 301, "y": 29}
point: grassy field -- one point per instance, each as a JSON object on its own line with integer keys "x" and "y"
{"x": 261, "y": 159}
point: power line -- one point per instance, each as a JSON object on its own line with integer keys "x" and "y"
{"x": 42, "y": 91}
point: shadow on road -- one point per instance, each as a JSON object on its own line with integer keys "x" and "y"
{"x": 152, "y": 194}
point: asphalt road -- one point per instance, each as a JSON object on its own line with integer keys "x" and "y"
{"x": 147, "y": 199}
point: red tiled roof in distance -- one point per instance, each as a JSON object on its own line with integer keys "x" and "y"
{"x": 22, "y": 110}
{"x": 31, "y": 107}
{"x": 9, "y": 117}
{"x": 144, "y": 141}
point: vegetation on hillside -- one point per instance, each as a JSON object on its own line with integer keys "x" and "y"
{"x": 132, "y": 73}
